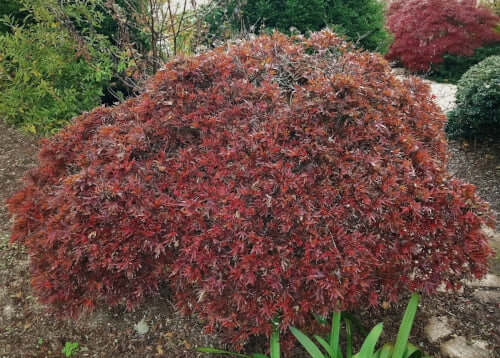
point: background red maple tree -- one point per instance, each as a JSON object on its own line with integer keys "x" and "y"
{"x": 425, "y": 30}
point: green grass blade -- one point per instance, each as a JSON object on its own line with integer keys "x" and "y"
{"x": 405, "y": 328}
{"x": 275, "y": 344}
{"x": 325, "y": 345}
{"x": 309, "y": 345}
{"x": 335, "y": 333}
{"x": 348, "y": 330}
{"x": 370, "y": 342}
{"x": 220, "y": 351}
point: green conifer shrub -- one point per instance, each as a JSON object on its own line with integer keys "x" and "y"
{"x": 360, "y": 21}
{"x": 478, "y": 101}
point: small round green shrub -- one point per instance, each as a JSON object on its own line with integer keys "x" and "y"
{"x": 478, "y": 101}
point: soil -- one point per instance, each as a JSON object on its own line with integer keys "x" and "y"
{"x": 28, "y": 330}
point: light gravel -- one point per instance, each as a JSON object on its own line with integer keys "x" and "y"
{"x": 444, "y": 95}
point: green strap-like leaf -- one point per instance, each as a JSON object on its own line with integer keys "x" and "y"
{"x": 335, "y": 333}
{"x": 405, "y": 328}
{"x": 275, "y": 344}
{"x": 309, "y": 345}
{"x": 370, "y": 342}
{"x": 348, "y": 330}
{"x": 325, "y": 345}
{"x": 356, "y": 323}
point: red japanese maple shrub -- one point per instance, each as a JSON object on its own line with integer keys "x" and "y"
{"x": 425, "y": 30}
{"x": 280, "y": 176}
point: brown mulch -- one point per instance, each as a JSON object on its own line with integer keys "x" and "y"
{"x": 27, "y": 330}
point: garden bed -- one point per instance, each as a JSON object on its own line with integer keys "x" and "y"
{"x": 27, "y": 330}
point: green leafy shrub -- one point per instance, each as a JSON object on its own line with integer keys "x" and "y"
{"x": 361, "y": 21}
{"x": 478, "y": 101}
{"x": 11, "y": 9}
{"x": 453, "y": 67}
{"x": 45, "y": 80}
{"x": 80, "y": 53}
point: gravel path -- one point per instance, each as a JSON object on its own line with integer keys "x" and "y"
{"x": 445, "y": 95}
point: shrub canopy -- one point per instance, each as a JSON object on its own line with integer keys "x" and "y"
{"x": 277, "y": 177}
{"x": 478, "y": 101}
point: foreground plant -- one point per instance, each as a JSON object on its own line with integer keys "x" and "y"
{"x": 400, "y": 349}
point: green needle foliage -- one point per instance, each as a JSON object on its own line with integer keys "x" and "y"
{"x": 478, "y": 101}
{"x": 453, "y": 67}
{"x": 362, "y": 21}
{"x": 11, "y": 9}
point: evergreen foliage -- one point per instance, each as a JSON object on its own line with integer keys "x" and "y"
{"x": 50, "y": 72}
{"x": 453, "y": 67}
{"x": 478, "y": 101}
{"x": 358, "y": 20}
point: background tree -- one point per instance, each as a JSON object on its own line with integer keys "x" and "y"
{"x": 361, "y": 21}
{"x": 425, "y": 30}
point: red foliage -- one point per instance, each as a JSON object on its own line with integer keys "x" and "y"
{"x": 277, "y": 176}
{"x": 425, "y": 30}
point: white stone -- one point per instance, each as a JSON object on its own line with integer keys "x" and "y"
{"x": 445, "y": 95}
{"x": 437, "y": 328}
{"x": 487, "y": 296}
{"x": 489, "y": 281}
{"x": 459, "y": 348}
{"x": 141, "y": 327}
{"x": 8, "y": 312}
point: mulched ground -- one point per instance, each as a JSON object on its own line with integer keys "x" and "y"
{"x": 27, "y": 330}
